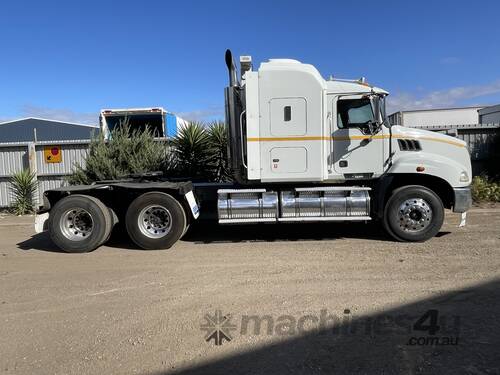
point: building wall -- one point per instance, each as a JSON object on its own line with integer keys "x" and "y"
{"x": 436, "y": 117}
{"x": 490, "y": 115}
{"x": 14, "y": 157}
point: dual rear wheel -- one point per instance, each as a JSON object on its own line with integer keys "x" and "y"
{"x": 81, "y": 223}
{"x": 155, "y": 221}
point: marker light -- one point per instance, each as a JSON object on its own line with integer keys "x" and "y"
{"x": 464, "y": 177}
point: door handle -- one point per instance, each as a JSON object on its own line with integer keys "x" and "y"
{"x": 365, "y": 141}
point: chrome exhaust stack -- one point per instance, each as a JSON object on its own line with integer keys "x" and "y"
{"x": 231, "y": 67}
{"x": 234, "y": 107}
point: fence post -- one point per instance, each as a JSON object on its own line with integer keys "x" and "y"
{"x": 33, "y": 167}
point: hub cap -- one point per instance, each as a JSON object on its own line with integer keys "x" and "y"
{"x": 155, "y": 221}
{"x": 414, "y": 215}
{"x": 76, "y": 224}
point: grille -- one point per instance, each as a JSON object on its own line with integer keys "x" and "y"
{"x": 409, "y": 145}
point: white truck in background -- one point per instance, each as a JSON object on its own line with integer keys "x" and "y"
{"x": 302, "y": 149}
{"x": 163, "y": 124}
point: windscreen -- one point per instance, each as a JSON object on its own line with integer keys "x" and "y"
{"x": 138, "y": 122}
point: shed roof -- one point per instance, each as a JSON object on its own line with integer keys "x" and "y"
{"x": 22, "y": 130}
{"x": 490, "y": 109}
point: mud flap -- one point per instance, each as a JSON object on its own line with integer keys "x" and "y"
{"x": 41, "y": 222}
{"x": 463, "y": 219}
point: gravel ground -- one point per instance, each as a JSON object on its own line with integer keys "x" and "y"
{"x": 332, "y": 299}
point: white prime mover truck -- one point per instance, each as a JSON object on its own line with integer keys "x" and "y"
{"x": 302, "y": 149}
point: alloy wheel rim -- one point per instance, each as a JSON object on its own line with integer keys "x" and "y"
{"x": 414, "y": 215}
{"x": 154, "y": 221}
{"x": 77, "y": 224}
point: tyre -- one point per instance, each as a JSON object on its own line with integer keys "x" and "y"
{"x": 155, "y": 220}
{"x": 413, "y": 213}
{"x": 185, "y": 231}
{"x": 113, "y": 221}
{"x": 79, "y": 223}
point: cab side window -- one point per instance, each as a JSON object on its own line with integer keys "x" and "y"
{"x": 354, "y": 113}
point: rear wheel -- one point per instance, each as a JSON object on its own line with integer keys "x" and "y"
{"x": 79, "y": 223}
{"x": 155, "y": 221}
{"x": 413, "y": 213}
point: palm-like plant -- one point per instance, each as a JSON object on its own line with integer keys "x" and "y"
{"x": 193, "y": 151}
{"x": 218, "y": 138}
{"x": 23, "y": 188}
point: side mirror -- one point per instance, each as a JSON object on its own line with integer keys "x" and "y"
{"x": 369, "y": 128}
{"x": 376, "y": 108}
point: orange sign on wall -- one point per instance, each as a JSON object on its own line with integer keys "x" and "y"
{"x": 52, "y": 154}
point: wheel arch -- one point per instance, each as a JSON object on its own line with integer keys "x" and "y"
{"x": 387, "y": 184}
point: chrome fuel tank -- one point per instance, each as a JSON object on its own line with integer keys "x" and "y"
{"x": 324, "y": 203}
{"x": 247, "y": 204}
{"x": 301, "y": 204}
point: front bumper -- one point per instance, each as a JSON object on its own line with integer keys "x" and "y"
{"x": 463, "y": 199}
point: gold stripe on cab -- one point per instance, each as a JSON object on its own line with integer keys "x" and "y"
{"x": 348, "y": 138}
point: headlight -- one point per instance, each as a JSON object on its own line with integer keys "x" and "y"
{"x": 464, "y": 177}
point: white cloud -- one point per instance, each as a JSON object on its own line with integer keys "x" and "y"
{"x": 441, "y": 98}
{"x": 207, "y": 114}
{"x": 396, "y": 102}
{"x": 61, "y": 114}
{"x": 90, "y": 118}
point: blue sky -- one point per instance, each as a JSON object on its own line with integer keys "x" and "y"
{"x": 68, "y": 59}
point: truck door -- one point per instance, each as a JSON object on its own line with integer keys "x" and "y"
{"x": 357, "y": 153}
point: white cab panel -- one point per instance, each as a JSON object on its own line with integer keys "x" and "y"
{"x": 292, "y": 117}
{"x": 288, "y": 116}
{"x": 288, "y": 160}
{"x": 253, "y": 131}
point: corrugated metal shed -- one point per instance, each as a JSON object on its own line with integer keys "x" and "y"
{"x": 23, "y": 130}
{"x": 490, "y": 115}
{"x": 436, "y": 117}
{"x": 15, "y": 157}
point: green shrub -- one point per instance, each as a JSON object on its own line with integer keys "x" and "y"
{"x": 198, "y": 152}
{"x": 23, "y": 188}
{"x": 484, "y": 190}
{"x": 127, "y": 152}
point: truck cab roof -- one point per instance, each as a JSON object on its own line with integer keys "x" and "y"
{"x": 354, "y": 86}
{"x": 332, "y": 85}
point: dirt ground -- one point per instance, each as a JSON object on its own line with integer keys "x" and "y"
{"x": 331, "y": 298}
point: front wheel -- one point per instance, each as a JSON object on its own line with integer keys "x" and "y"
{"x": 413, "y": 213}
{"x": 155, "y": 220}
